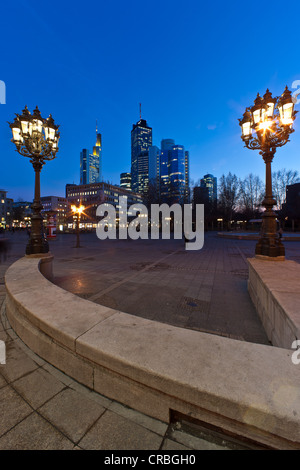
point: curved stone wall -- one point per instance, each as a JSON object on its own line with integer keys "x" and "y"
{"x": 245, "y": 389}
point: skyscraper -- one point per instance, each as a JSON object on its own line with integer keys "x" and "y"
{"x": 91, "y": 163}
{"x": 96, "y": 161}
{"x": 177, "y": 174}
{"x": 154, "y": 167}
{"x": 84, "y": 166}
{"x": 125, "y": 181}
{"x": 141, "y": 140}
{"x": 210, "y": 183}
{"x": 187, "y": 176}
{"x": 174, "y": 172}
{"x": 165, "y": 157}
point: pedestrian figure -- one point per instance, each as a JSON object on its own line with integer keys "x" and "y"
{"x": 280, "y": 232}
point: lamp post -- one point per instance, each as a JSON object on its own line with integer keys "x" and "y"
{"x": 265, "y": 126}
{"x": 36, "y": 138}
{"x": 77, "y": 211}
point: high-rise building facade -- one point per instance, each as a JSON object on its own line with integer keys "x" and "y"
{"x": 154, "y": 167}
{"x": 165, "y": 157}
{"x": 174, "y": 172}
{"x": 210, "y": 183}
{"x": 91, "y": 163}
{"x": 84, "y": 166}
{"x": 177, "y": 174}
{"x": 187, "y": 176}
{"x": 125, "y": 181}
{"x": 141, "y": 140}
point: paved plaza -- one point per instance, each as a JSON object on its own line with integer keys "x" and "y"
{"x": 41, "y": 408}
{"x": 205, "y": 290}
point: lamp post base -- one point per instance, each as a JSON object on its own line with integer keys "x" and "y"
{"x": 36, "y": 246}
{"x": 270, "y": 247}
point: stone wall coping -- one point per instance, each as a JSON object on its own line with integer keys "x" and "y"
{"x": 253, "y": 385}
{"x": 282, "y": 281}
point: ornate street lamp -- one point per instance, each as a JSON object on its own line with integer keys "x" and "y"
{"x": 77, "y": 212}
{"x": 36, "y": 138}
{"x": 266, "y": 126}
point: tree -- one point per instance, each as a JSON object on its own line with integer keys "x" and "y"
{"x": 251, "y": 194}
{"x": 280, "y": 180}
{"x": 228, "y": 193}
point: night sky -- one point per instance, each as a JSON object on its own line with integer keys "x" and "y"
{"x": 193, "y": 65}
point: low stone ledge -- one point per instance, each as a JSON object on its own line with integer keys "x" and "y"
{"x": 274, "y": 289}
{"x": 155, "y": 367}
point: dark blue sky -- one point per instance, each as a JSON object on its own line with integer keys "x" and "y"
{"x": 194, "y": 65}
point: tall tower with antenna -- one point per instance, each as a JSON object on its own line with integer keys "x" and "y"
{"x": 96, "y": 160}
{"x": 91, "y": 163}
{"x": 141, "y": 140}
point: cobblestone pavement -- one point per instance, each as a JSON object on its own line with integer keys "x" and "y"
{"x": 41, "y": 408}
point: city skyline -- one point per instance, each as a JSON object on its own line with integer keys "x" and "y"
{"x": 193, "y": 86}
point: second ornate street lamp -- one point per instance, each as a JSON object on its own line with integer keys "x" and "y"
{"x": 265, "y": 126}
{"x": 36, "y": 138}
{"x": 78, "y": 211}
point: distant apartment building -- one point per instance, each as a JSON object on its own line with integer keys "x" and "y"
{"x": 94, "y": 194}
{"x": 9, "y": 211}
{"x": 6, "y": 209}
{"x": 57, "y": 207}
{"x": 3, "y": 208}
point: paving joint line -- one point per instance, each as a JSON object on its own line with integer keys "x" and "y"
{"x": 114, "y": 286}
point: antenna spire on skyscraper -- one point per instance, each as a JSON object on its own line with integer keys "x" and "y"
{"x": 140, "y": 110}
{"x": 96, "y": 127}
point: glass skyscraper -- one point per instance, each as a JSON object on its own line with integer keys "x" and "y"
{"x": 177, "y": 174}
{"x": 91, "y": 163}
{"x": 165, "y": 157}
{"x": 174, "y": 172}
{"x": 154, "y": 167}
{"x": 209, "y": 182}
{"x": 125, "y": 181}
{"x": 141, "y": 140}
{"x": 84, "y": 166}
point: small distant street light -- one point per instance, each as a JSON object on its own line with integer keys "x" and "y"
{"x": 266, "y": 126}
{"x": 36, "y": 138}
{"x": 77, "y": 212}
